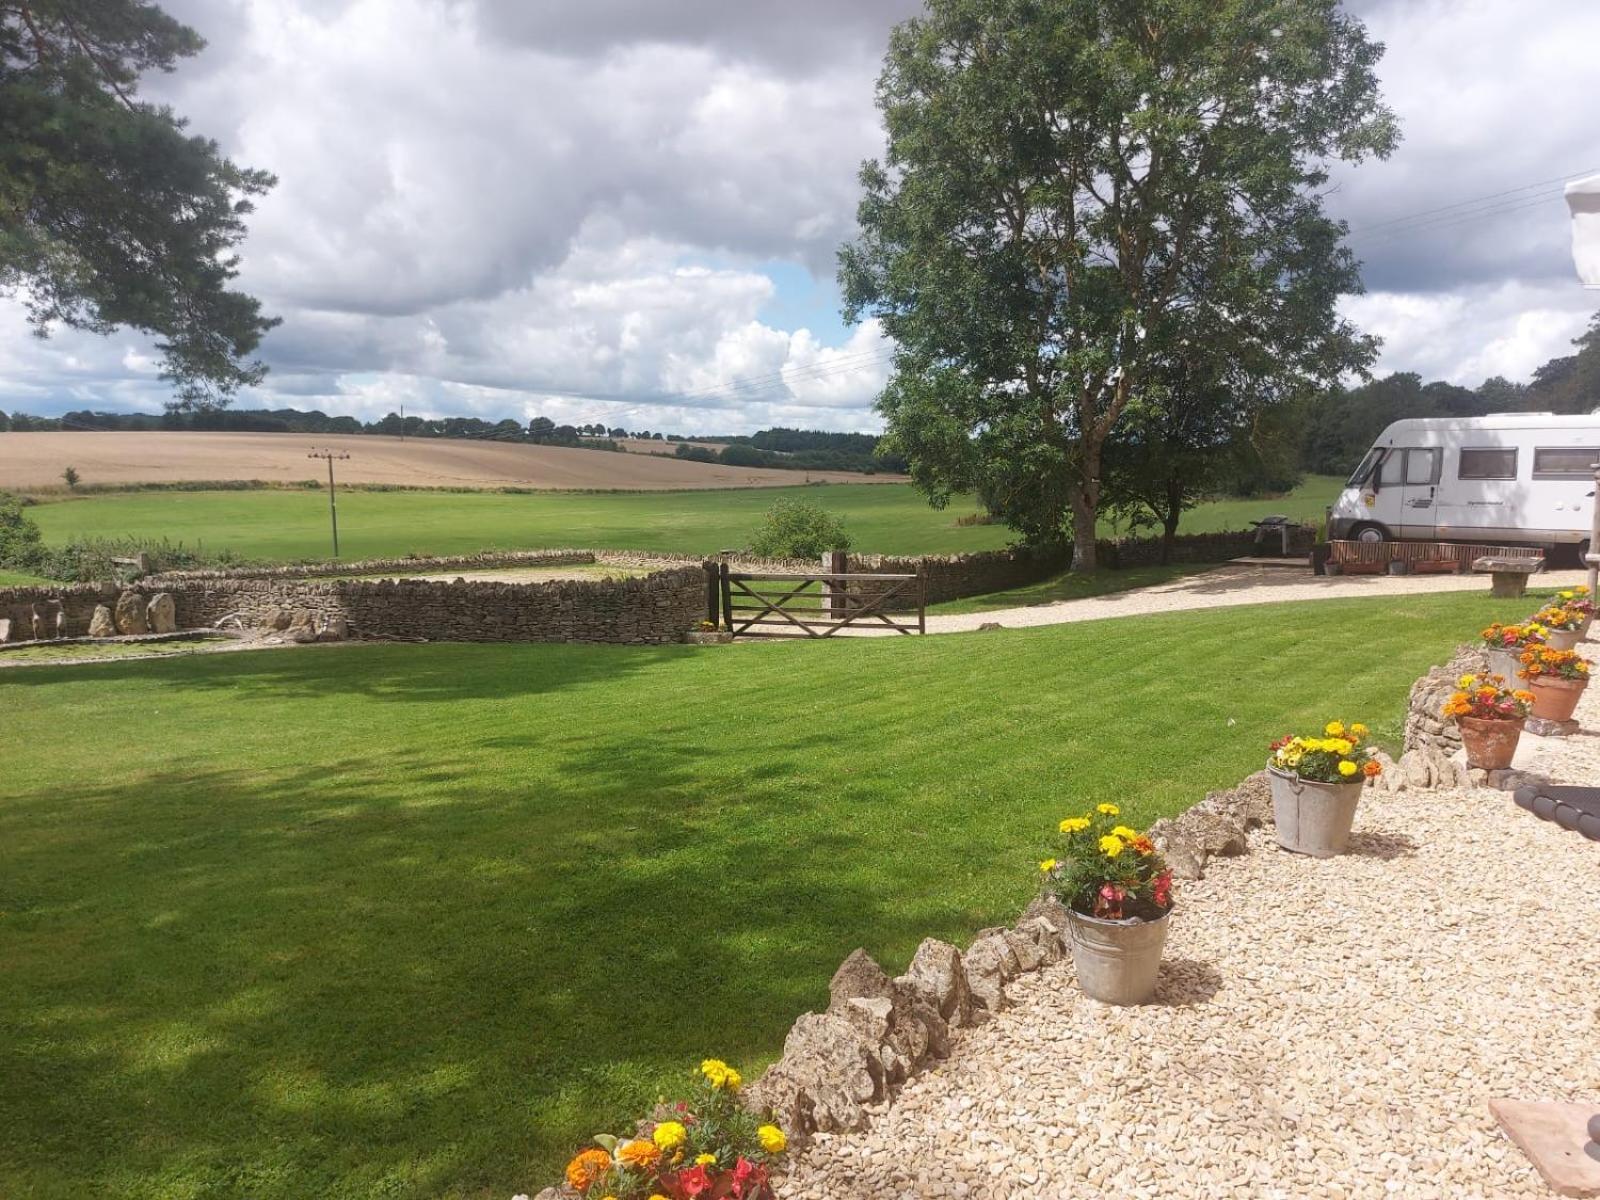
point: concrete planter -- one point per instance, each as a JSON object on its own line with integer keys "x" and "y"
{"x": 1117, "y": 961}
{"x": 1555, "y": 699}
{"x": 1313, "y": 818}
{"x": 1490, "y": 745}
{"x": 708, "y": 637}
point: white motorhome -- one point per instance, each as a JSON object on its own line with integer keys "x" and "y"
{"x": 1505, "y": 478}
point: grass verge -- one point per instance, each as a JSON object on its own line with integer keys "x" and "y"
{"x": 381, "y": 921}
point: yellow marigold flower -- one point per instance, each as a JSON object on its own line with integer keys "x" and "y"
{"x": 669, "y": 1135}
{"x": 1108, "y": 810}
{"x": 1359, "y": 730}
{"x": 1048, "y": 865}
{"x": 1111, "y": 845}
{"x": 1333, "y": 728}
{"x": 704, "y": 1160}
{"x": 1074, "y": 824}
{"x": 1126, "y": 834}
{"x": 772, "y": 1139}
{"x": 720, "y": 1075}
{"x": 1348, "y": 768}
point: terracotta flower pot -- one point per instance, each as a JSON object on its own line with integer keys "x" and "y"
{"x": 1490, "y": 745}
{"x": 1555, "y": 699}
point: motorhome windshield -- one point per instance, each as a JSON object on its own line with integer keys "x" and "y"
{"x": 1365, "y": 469}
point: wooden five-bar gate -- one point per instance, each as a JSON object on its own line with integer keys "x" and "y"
{"x": 815, "y": 605}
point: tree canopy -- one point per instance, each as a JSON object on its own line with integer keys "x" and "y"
{"x": 111, "y": 214}
{"x": 1080, "y": 196}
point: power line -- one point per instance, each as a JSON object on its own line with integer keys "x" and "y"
{"x": 1471, "y": 201}
{"x": 1466, "y": 219}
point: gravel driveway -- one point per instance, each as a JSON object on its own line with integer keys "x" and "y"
{"x": 1324, "y": 1028}
{"x": 1229, "y": 586}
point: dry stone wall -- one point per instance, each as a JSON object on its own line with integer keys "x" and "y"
{"x": 655, "y": 609}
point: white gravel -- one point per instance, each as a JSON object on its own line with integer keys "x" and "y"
{"x": 1324, "y": 1028}
{"x": 1228, "y": 586}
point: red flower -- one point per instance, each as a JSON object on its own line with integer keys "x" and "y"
{"x": 693, "y": 1181}
{"x": 746, "y": 1173}
{"x": 1161, "y": 890}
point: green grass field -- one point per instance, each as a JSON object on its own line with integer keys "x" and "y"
{"x": 293, "y": 525}
{"x": 18, "y": 579}
{"x": 414, "y": 921}
{"x": 1072, "y": 585}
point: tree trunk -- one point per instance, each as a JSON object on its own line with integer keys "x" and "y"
{"x": 1084, "y": 496}
{"x": 1170, "y": 518}
{"x": 1084, "y": 514}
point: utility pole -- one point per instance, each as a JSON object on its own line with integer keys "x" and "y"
{"x": 333, "y": 507}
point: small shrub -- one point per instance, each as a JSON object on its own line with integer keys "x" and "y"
{"x": 21, "y": 543}
{"x": 70, "y": 477}
{"x": 796, "y": 529}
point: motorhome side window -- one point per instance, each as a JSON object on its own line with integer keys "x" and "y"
{"x": 1565, "y": 462}
{"x": 1393, "y": 471}
{"x": 1487, "y": 464}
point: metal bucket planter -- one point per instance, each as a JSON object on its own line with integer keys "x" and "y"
{"x": 1563, "y": 639}
{"x": 1117, "y": 961}
{"x": 1313, "y": 818}
{"x": 1504, "y": 662}
{"x": 1490, "y": 745}
{"x": 1555, "y": 699}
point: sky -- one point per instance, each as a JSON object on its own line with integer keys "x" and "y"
{"x": 628, "y": 211}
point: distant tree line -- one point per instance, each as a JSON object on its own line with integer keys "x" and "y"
{"x": 797, "y": 449}
{"x": 784, "y": 449}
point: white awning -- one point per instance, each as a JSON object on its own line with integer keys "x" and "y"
{"x": 1583, "y": 198}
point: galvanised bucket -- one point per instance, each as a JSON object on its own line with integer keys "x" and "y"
{"x": 1505, "y": 662}
{"x": 1313, "y": 818}
{"x": 1117, "y": 961}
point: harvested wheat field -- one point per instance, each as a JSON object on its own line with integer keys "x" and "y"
{"x": 36, "y": 460}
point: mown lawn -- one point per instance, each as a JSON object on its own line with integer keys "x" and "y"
{"x": 413, "y": 921}
{"x": 1072, "y": 585}
{"x": 18, "y": 579}
{"x": 293, "y": 525}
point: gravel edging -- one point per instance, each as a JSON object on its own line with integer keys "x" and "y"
{"x": 1322, "y": 1027}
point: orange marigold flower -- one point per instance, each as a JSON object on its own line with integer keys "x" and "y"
{"x": 1143, "y": 845}
{"x": 1372, "y": 769}
{"x": 641, "y": 1154}
{"x": 585, "y": 1170}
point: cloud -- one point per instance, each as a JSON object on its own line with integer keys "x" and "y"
{"x": 598, "y": 211}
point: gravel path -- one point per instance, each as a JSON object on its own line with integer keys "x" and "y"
{"x": 1323, "y": 1028}
{"x": 1229, "y": 586}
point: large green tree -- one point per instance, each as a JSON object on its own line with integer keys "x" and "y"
{"x": 1071, "y": 188}
{"x": 110, "y": 213}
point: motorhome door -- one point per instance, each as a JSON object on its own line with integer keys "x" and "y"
{"x": 1410, "y": 487}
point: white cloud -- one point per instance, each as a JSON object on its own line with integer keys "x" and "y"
{"x": 504, "y": 208}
